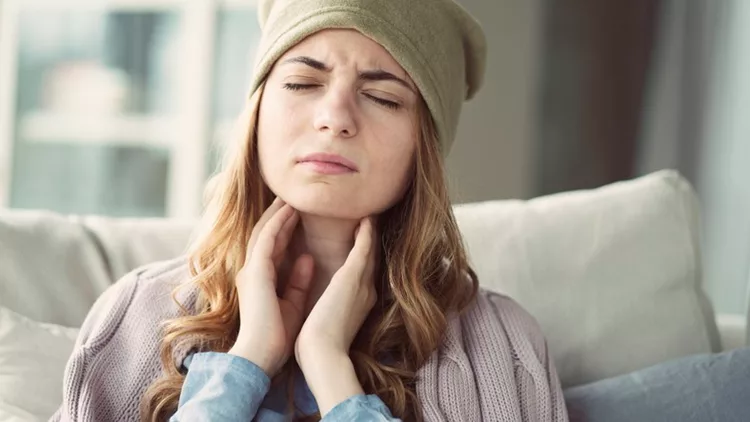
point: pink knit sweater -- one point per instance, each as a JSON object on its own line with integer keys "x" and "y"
{"x": 493, "y": 364}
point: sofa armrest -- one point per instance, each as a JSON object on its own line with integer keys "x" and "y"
{"x": 732, "y": 330}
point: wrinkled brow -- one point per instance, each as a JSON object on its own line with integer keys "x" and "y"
{"x": 367, "y": 75}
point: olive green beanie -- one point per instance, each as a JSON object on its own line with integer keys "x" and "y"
{"x": 440, "y": 46}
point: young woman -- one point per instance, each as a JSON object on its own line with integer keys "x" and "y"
{"x": 328, "y": 277}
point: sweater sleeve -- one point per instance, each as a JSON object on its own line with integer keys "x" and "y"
{"x": 539, "y": 389}
{"x": 492, "y": 365}
{"x": 221, "y": 387}
{"x": 559, "y": 408}
{"x": 97, "y": 328}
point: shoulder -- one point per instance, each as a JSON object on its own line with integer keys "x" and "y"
{"x": 516, "y": 320}
{"x": 152, "y": 287}
{"x": 503, "y": 307}
{"x": 156, "y": 282}
{"x": 495, "y": 330}
{"x": 494, "y": 321}
{"x": 491, "y": 353}
{"x": 143, "y": 296}
{"x": 493, "y": 362}
{"x": 535, "y": 376}
{"x": 117, "y": 351}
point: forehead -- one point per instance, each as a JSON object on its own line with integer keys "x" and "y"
{"x": 346, "y": 47}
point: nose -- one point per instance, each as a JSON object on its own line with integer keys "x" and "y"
{"x": 335, "y": 114}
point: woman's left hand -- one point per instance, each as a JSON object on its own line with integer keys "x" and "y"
{"x": 322, "y": 346}
{"x": 350, "y": 296}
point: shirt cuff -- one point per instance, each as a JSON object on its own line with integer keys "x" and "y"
{"x": 223, "y": 386}
{"x": 362, "y": 408}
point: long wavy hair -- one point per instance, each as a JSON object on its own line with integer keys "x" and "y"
{"x": 423, "y": 277}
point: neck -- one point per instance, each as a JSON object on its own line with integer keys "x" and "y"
{"x": 328, "y": 241}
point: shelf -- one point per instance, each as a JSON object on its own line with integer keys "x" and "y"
{"x": 121, "y": 130}
{"x": 124, "y": 5}
{"x": 238, "y": 4}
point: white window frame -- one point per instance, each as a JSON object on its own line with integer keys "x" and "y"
{"x": 191, "y": 131}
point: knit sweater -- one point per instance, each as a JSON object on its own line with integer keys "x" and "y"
{"x": 493, "y": 363}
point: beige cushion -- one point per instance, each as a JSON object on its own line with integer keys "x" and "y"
{"x": 52, "y": 270}
{"x": 54, "y": 266}
{"x": 612, "y": 274}
{"x": 32, "y": 361}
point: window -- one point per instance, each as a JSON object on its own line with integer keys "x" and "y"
{"x": 117, "y": 107}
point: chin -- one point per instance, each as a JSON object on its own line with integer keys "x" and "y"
{"x": 323, "y": 203}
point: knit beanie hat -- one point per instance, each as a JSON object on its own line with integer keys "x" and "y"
{"x": 440, "y": 46}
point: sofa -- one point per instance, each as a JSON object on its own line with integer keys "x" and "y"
{"x": 612, "y": 275}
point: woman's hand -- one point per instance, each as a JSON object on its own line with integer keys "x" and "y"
{"x": 269, "y": 324}
{"x": 342, "y": 308}
{"x": 322, "y": 347}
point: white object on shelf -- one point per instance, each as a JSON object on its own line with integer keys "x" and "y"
{"x": 85, "y": 87}
{"x": 91, "y": 129}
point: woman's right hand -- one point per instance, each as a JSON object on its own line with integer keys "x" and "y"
{"x": 269, "y": 324}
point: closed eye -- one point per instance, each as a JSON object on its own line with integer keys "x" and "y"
{"x": 298, "y": 87}
{"x": 390, "y": 104}
{"x": 386, "y": 103}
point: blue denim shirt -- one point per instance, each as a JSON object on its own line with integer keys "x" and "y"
{"x": 224, "y": 387}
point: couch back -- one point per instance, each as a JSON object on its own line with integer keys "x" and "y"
{"x": 611, "y": 274}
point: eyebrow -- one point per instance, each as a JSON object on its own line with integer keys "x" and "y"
{"x": 367, "y": 75}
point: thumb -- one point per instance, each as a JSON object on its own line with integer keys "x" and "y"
{"x": 298, "y": 285}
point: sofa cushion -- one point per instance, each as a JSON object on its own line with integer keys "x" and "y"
{"x": 700, "y": 388}
{"x": 54, "y": 266}
{"x": 128, "y": 243}
{"x": 32, "y": 362}
{"x": 611, "y": 274}
{"x": 52, "y": 270}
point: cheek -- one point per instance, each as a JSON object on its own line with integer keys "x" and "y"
{"x": 394, "y": 172}
{"x": 278, "y": 116}
{"x": 275, "y": 136}
{"x": 268, "y": 149}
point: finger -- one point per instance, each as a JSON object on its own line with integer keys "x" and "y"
{"x": 284, "y": 236}
{"x": 373, "y": 249}
{"x": 298, "y": 286}
{"x": 359, "y": 256}
{"x": 272, "y": 209}
{"x": 264, "y": 218}
{"x": 265, "y": 245}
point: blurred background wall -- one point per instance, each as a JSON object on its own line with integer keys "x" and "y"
{"x": 493, "y": 156}
{"x": 120, "y": 107}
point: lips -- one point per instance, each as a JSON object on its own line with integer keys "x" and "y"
{"x": 331, "y": 162}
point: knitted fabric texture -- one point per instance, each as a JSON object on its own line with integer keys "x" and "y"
{"x": 493, "y": 364}
{"x": 440, "y": 46}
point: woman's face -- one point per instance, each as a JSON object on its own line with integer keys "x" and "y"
{"x": 337, "y": 127}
